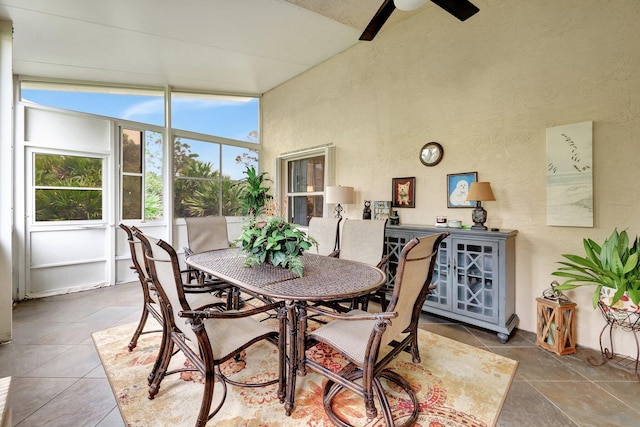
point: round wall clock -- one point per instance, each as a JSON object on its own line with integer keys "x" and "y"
{"x": 431, "y": 153}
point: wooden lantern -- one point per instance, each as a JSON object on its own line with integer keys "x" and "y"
{"x": 556, "y": 326}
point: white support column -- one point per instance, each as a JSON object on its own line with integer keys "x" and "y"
{"x": 6, "y": 178}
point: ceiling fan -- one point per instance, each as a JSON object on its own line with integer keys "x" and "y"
{"x": 461, "y": 9}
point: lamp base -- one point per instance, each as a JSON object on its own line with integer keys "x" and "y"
{"x": 338, "y": 210}
{"x": 479, "y": 217}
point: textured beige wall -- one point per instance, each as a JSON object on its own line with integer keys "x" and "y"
{"x": 486, "y": 89}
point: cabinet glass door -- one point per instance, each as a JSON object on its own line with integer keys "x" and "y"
{"x": 393, "y": 247}
{"x": 474, "y": 269}
{"x": 439, "y": 297}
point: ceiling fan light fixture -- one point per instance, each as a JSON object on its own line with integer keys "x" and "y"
{"x": 408, "y": 5}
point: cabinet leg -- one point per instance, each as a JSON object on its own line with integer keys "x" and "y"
{"x": 503, "y": 338}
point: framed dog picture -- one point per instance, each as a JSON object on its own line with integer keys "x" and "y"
{"x": 458, "y": 185}
{"x": 404, "y": 192}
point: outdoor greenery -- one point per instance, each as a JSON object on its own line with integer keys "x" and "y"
{"x": 67, "y": 188}
{"x": 70, "y": 187}
{"x": 615, "y": 265}
{"x": 198, "y": 186}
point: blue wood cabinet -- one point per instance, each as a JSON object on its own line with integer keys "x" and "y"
{"x": 474, "y": 275}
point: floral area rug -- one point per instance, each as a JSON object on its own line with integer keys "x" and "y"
{"x": 456, "y": 384}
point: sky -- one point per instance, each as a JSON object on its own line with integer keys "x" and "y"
{"x": 224, "y": 117}
{"x": 228, "y": 117}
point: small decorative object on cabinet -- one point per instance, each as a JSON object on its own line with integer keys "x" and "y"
{"x": 366, "y": 212}
{"x": 474, "y": 275}
{"x": 556, "y": 330}
{"x": 381, "y": 209}
{"x": 394, "y": 218}
{"x": 480, "y": 192}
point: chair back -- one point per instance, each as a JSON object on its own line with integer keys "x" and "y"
{"x": 207, "y": 233}
{"x": 325, "y": 231}
{"x": 413, "y": 278}
{"x": 139, "y": 262}
{"x": 164, "y": 269}
{"x": 362, "y": 240}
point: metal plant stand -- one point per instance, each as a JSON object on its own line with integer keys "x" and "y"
{"x": 628, "y": 321}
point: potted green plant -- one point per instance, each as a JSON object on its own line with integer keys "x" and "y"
{"x": 275, "y": 241}
{"x": 272, "y": 239}
{"x": 253, "y": 194}
{"x": 613, "y": 268}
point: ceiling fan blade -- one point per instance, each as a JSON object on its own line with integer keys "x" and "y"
{"x": 461, "y": 9}
{"x": 378, "y": 20}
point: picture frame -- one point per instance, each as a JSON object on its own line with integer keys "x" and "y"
{"x": 381, "y": 209}
{"x": 404, "y": 192}
{"x": 458, "y": 185}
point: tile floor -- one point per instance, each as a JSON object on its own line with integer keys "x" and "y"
{"x": 58, "y": 379}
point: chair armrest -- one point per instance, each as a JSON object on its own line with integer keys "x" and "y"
{"x": 354, "y": 315}
{"x": 382, "y": 265}
{"x": 228, "y": 314}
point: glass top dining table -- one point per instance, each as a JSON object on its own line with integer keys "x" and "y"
{"x": 324, "y": 279}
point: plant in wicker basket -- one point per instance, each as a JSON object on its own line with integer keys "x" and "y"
{"x": 613, "y": 268}
{"x": 272, "y": 240}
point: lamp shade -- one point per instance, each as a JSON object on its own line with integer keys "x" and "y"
{"x": 408, "y": 4}
{"x": 340, "y": 195}
{"x": 480, "y": 191}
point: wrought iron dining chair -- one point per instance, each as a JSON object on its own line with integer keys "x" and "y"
{"x": 363, "y": 241}
{"x": 369, "y": 341}
{"x": 209, "y": 233}
{"x": 151, "y": 304}
{"x": 207, "y": 337}
{"x": 325, "y": 232}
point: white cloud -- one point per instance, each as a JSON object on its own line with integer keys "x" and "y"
{"x": 146, "y": 108}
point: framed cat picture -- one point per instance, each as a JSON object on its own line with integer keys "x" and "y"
{"x": 404, "y": 192}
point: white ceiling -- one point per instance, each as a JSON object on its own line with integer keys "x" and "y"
{"x": 232, "y": 46}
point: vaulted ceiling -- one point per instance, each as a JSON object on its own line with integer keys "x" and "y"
{"x": 232, "y": 46}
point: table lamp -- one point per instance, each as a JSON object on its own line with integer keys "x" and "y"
{"x": 480, "y": 191}
{"x": 338, "y": 195}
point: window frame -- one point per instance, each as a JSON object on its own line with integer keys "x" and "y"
{"x": 104, "y": 189}
{"x": 283, "y": 178}
{"x": 139, "y": 127}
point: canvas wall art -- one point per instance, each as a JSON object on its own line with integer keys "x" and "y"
{"x": 570, "y": 175}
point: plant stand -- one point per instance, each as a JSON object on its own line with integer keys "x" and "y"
{"x": 627, "y": 321}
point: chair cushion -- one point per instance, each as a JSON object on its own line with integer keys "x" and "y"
{"x": 350, "y": 337}
{"x": 228, "y": 335}
{"x": 197, "y": 300}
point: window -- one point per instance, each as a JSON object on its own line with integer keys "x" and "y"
{"x": 67, "y": 188}
{"x": 141, "y": 175}
{"x": 204, "y": 176}
{"x": 216, "y": 137}
{"x": 232, "y": 117}
{"x": 139, "y": 105}
{"x": 306, "y": 179}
